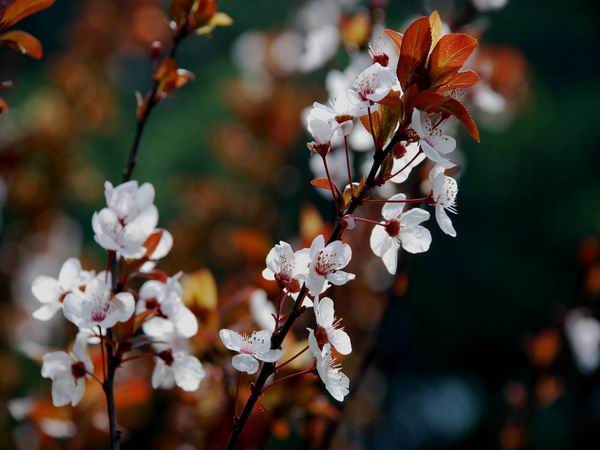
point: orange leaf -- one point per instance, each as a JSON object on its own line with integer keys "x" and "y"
{"x": 170, "y": 77}
{"x": 414, "y": 50}
{"x": 180, "y": 10}
{"x": 447, "y": 106}
{"x": 461, "y": 80}
{"x": 152, "y": 242}
{"x": 19, "y": 9}
{"x": 395, "y": 37}
{"x": 3, "y": 105}
{"x": 436, "y": 29}
{"x": 321, "y": 183}
{"x": 23, "y": 42}
{"x": 448, "y": 56}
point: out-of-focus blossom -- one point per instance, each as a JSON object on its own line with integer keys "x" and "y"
{"x": 95, "y": 307}
{"x": 489, "y": 5}
{"x": 170, "y": 312}
{"x": 262, "y": 310}
{"x": 320, "y": 44}
{"x": 433, "y": 141}
{"x": 128, "y": 220}
{"x": 328, "y": 327}
{"x": 68, "y": 373}
{"x": 176, "y": 367}
{"x": 251, "y": 349}
{"x": 287, "y": 267}
{"x": 400, "y": 229}
{"x": 336, "y": 382}
{"x": 371, "y": 85}
{"x": 51, "y": 291}
{"x": 583, "y": 333}
{"x": 444, "y": 189}
{"x": 326, "y": 263}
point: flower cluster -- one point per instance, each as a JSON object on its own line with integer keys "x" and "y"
{"x": 111, "y": 312}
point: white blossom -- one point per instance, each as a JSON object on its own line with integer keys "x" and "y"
{"x": 68, "y": 373}
{"x": 400, "y": 229}
{"x": 336, "y": 382}
{"x": 371, "y": 85}
{"x": 251, "y": 349}
{"x": 286, "y": 266}
{"x": 95, "y": 307}
{"x": 51, "y": 291}
{"x": 328, "y": 327}
{"x": 176, "y": 367}
{"x": 326, "y": 263}
{"x": 445, "y": 189}
{"x": 262, "y": 310}
{"x": 433, "y": 141}
{"x": 583, "y": 334}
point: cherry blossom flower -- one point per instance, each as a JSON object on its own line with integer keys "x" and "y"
{"x": 95, "y": 307}
{"x": 383, "y": 51}
{"x": 445, "y": 189}
{"x": 262, "y": 310}
{"x": 336, "y": 382}
{"x": 51, "y": 291}
{"x": 328, "y": 328}
{"x": 338, "y": 114}
{"x": 176, "y": 367}
{"x": 286, "y": 267}
{"x": 371, "y": 85}
{"x": 404, "y": 162}
{"x": 68, "y": 373}
{"x": 321, "y": 45}
{"x": 251, "y": 349}
{"x": 171, "y": 313}
{"x": 399, "y": 230}
{"x": 433, "y": 141}
{"x": 325, "y": 264}
{"x": 322, "y": 132}
{"x": 128, "y": 220}
{"x": 583, "y": 333}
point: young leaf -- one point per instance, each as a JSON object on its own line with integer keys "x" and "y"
{"x": 414, "y": 50}
{"x": 436, "y": 29}
{"x": 321, "y": 183}
{"x": 19, "y": 9}
{"x": 461, "y": 80}
{"x": 448, "y": 56}
{"x": 180, "y": 10}
{"x": 23, "y": 42}
{"x": 384, "y": 120}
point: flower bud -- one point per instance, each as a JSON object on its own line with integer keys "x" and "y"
{"x": 155, "y": 49}
{"x": 399, "y": 150}
{"x": 348, "y": 222}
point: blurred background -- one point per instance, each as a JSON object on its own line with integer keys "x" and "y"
{"x": 488, "y": 341}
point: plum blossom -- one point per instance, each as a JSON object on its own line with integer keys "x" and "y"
{"x": 433, "y": 141}
{"x": 262, "y": 310}
{"x": 322, "y": 131}
{"x": 177, "y": 367}
{"x": 445, "y": 189}
{"x": 383, "y": 51}
{"x": 338, "y": 113}
{"x": 336, "y": 382}
{"x": 68, "y": 373}
{"x": 400, "y": 229}
{"x": 170, "y": 312}
{"x": 411, "y": 159}
{"x": 95, "y": 307}
{"x": 371, "y": 85}
{"x": 51, "y": 291}
{"x": 251, "y": 349}
{"x": 287, "y": 267}
{"x": 328, "y": 327}
{"x": 326, "y": 263}
{"x": 128, "y": 220}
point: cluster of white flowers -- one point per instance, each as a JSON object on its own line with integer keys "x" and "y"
{"x": 127, "y": 227}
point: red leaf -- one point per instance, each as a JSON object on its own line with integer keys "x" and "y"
{"x": 414, "y": 50}
{"x": 152, "y": 242}
{"x": 23, "y": 42}
{"x": 3, "y": 105}
{"x": 19, "y": 9}
{"x": 321, "y": 183}
{"x": 448, "y": 56}
{"x": 461, "y": 80}
{"x": 395, "y": 37}
{"x": 447, "y": 106}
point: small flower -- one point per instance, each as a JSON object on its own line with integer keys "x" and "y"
{"x": 251, "y": 349}
{"x": 171, "y": 314}
{"x": 262, "y": 310}
{"x": 328, "y": 328}
{"x": 68, "y": 373}
{"x": 322, "y": 132}
{"x": 176, "y": 367}
{"x": 371, "y": 85}
{"x": 399, "y": 230}
{"x": 383, "y": 51}
{"x": 338, "y": 114}
{"x": 433, "y": 141}
{"x": 325, "y": 264}
{"x": 336, "y": 382}
{"x": 405, "y": 163}
{"x": 51, "y": 292}
{"x": 95, "y": 307}
{"x": 286, "y": 267}
{"x": 128, "y": 220}
{"x": 444, "y": 195}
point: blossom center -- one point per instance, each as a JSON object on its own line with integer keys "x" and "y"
{"x": 78, "y": 370}
{"x": 325, "y": 264}
{"x": 167, "y": 356}
{"x": 392, "y": 227}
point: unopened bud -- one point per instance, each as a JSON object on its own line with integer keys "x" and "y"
{"x": 155, "y": 50}
{"x": 293, "y": 286}
{"x": 319, "y": 149}
{"x": 348, "y": 222}
{"x": 382, "y": 59}
{"x": 399, "y": 150}
{"x": 412, "y": 135}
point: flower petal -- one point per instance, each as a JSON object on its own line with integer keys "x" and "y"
{"x": 245, "y": 363}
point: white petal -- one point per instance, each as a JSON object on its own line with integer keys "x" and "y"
{"x": 316, "y": 246}
{"x": 338, "y": 253}
{"x": 158, "y": 327}
{"x": 55, "y": 362}
{"x": 269, "y": 356}
{"x": 435, "y": 156}
{"x": 340, "y": 341}
{"x": 162, "y": 375}
{"x": 125, "y": 306}
{"x": 340, "y": 277}
{"x": 416, "y": 240}
{"x": 413, "y": 217}
{"x": 78, "y": 390}
{"x": 444, "y": 221}
{"x": 63, "y": 389}
{"x": 315, "y": 282}
{"x": 245, "y": 363}
{"x": 188, "y": 371}
{"x": 186, "y": 322}
{"x": 144, "y": 196}
{"x": 324, "y": 312}
{"x": 444, "y": 144}
{"x": 390, "y": 258}
{"x": 165, "y": 244}
{"x": 260, "y": 341}
{"x": 47, "y": 311}
{"x": 231, "y": 339}
{"x": 417, "y": 124}
{"x": 46, "y": 289}
{"x": 69, "y": 274}
{"x": 394, "y": 209}
{"x": 380, "y": 240}
{"x": 73, "y": 308}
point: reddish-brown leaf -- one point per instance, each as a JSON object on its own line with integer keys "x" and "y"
{"x": 414, "y": 50}
{"x": 461, "y": 80}
{"x": 384, "y": 121}
{"x": 395, "y": 37}
{"x": 170, "y": 78}
{"x": 19, "y": 9}
{"x": 180, "y": 10}
{"x": 23, "y": 42}
{"x": 321, "y": 183}
{"x": 447, "y": 106}
{"x": 3, "y": 105}
{"x": 436, "y": 29}
{"x": 152, "y": 242}
{"x": 448, "y": 56}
